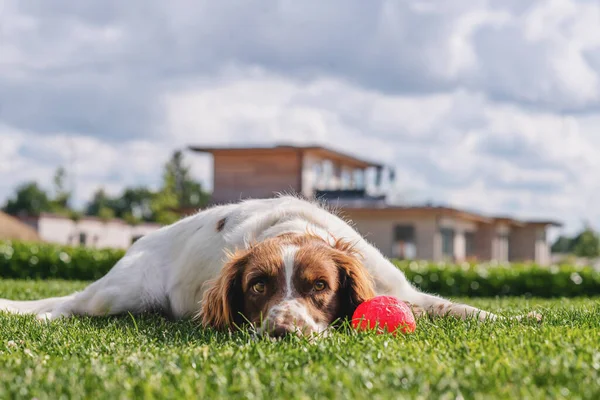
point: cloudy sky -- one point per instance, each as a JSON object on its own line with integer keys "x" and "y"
{"x": 489, "y": 105}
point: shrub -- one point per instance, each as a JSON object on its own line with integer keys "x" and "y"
{"x": 24, "y": 260}
{"x": 487, "y": 280}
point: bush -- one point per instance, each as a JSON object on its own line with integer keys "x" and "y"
{"x": 24, "y": 260}
{"x": 488, "y": 280}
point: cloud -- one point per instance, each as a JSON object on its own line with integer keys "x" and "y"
{"x": 81, "y": 69}
{"x": 458, "y": 148}
{"x": 486, "y": 105}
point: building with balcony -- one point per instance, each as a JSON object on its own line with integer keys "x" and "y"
{"x": 354, "y": 186}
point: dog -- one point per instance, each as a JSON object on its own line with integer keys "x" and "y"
{"x": 283, "y": 266}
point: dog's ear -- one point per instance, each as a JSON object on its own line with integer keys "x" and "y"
{"x": 356, "y": 284}
{"x": 222, "y": 303}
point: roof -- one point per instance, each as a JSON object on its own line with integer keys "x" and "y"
{"x": 523, "y": 222}
{"x": 423, "y": 210}
{"x": 544, "y": 223}
{"x": 509, "y": 221}
{"x": 324, "y": 152}
{"x": 33, "y": 218}
{"x": 444, "y": 212}
{"x": 13, "y": 229}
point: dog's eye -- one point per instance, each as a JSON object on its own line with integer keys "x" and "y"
{"x": 319, "y": 286}
{"x": 259, "y": 287}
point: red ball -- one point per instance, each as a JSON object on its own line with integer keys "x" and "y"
{"x": 386, "y": 314}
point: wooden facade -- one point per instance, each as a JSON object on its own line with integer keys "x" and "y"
{"x": 262, "y": 172}
{"x": 432, "y": 233}
{"x": 256, "y": 174}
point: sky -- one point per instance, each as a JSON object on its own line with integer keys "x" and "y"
{"x": 492, "y": 106}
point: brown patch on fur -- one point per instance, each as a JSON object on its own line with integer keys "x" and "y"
{"x": 347, "y": 283}
{"x": 221, "y": 302}
{"x": 314, "y": 262}
{"x": 221, "y": 224}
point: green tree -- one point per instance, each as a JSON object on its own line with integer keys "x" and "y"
{"x": 179, "y": 190}
{"x": 562, "y": 245}
{"x": 131, "y": 219}
{"x": 587, "y": 244}
{"x": 136, "y": 202}
{"x": 29, "y": 199}
{"x": 178, "y": 179}
{"x": 60, "y": 201}
{"x": 164, "y": 207}
{"x": 106, "y": 213}
{"x": 100, "y": 200}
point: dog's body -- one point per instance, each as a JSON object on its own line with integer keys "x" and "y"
{"x": 178, "y": 268}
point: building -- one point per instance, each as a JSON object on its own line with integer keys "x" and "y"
{"x": 353, "y": 186}
{"x": 87, "y": 231}
{"x": 13, "y": 229}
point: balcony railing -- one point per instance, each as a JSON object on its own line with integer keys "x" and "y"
{"x": 350, "y": 198}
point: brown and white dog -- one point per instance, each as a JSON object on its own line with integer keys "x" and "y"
{"x": 282, "y": 265}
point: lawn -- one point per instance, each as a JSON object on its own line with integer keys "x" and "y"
{"x": 148, "y": 356}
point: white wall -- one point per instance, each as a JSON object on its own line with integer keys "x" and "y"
{"x": 542, "y": 248}
{"x": 500, "y": 244}
{"x": 100, "y": 234}
{"x": 379, "y": 230}
{"x": 460, "y": 244}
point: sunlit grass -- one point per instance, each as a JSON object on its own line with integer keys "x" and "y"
{"x": 149, "y": 356}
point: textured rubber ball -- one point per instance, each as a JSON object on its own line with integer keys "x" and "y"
{"x": 385, "y": 314}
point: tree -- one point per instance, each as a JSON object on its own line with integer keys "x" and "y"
{"x": 587, "y": 244}
{"x": 60, "y": 202}
{"x": 164, "y": 206}
{"x": 562, "y": 245}
{"x": 177, "y": 178}
{"x": 133, "y": 205}
{"x": 29, "y": 199}
{"x": 136, "y": 201}
{"x": 179, "y": 190}
{"x": 101, "y": 201}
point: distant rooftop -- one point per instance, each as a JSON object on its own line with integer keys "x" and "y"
{"x": 318, "y": 150}
{"x": 373, "y": 207}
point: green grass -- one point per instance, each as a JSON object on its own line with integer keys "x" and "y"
{"x": 148, "y": 356}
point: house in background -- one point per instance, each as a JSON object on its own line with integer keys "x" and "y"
{"x": 13, "y": 229}
{"x": 87, "y": 231}
{"x": 353, "y": 186}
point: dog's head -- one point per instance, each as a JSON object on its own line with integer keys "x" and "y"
{"x": 294, "y": 284}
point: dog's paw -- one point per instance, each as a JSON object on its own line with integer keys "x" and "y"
{"x": 532, "y": 316}
{"x": 44, "y": 317}
{"x": 535, "y": 316}
{"x": 49, "y": 316}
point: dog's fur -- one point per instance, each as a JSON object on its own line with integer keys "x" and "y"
{"x": 283, "y": 265}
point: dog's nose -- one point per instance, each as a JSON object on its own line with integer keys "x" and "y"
{"x": 280, "y": 331}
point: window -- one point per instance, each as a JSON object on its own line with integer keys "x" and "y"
{"x": 359, "y": 179}
{"x": 346, "y": 179}
{"x": 447, "y": 242}
{"x": 541, "y": 235}
{"x": 317, "y": 170}
{"x": 404, "y": 242}
{"x": 327, "y": 174}
{"x": 470, "y": 244}
{"x": 82, "y": 238}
